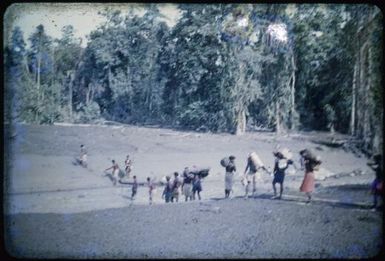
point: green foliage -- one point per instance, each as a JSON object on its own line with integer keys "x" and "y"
{"x": 88, "y": 113}
{"x": 193, "y": 116}
{"x": 218, "y": 63}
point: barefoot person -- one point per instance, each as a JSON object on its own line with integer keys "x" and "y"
{"x": 134, "y": 187}
{"x": 115, "y": 171}
{"x": 197, "y": 186}
{"x": 230, "y": 171}
{"x": 377, "y": 186}
{"x": 151, "y": 188}
{"x": 82, "y": 159}
{"x": 311, "y": 163}
{"x": 282, "y": 162}
{"x": 167, "y": 192}
{"x": 187, "y": 184}
{"x": 128, "y": 164}
{"x": 252, "y": 167}
{"x": 176, "y": 187}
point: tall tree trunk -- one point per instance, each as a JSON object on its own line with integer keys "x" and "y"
{"x": 53, "y": 66}
{"x": 364, "y": 78}
{"x": 129, "y": 87}
{"x": 70, "y": 94}
{"x": 241, "y": 122}
{"x": 30, "y": 76}
{"x": 38, "y": 85}
{"x": 369, "y": 104}
{"x": 293, "y": 124}
{"x": 149, "y": 83}
{"x": 353, "y": 109}
{"x": 277, "y": 119}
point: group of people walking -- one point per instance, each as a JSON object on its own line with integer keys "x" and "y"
{"x": 254, "y": 166}
{"x": 117, "y": 174}
{"x": 190, "y": 184}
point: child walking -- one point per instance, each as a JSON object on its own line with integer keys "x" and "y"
{"x": 167, "y": 192}
{"x": 197, "y": 187}
{"x": 134, "y": 188}
{"x": 282, "y": 162}
{"x": 151, "y": 188}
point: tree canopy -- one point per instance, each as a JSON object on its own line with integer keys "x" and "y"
{"x": 221, "y": 68}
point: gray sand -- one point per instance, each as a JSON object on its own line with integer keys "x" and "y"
{"x": 57, "y": 210}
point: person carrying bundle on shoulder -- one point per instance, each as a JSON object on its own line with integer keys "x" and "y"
{"x": 254, "y": 164}
{"x": 187, "y": 184}
{"x": 282, "y": 162}
{"x": 311, "y": 163}
{"x": 229, "y": 164}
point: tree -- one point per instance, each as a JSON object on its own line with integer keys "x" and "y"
{"x": 16, "y": 77}
{"x": 67, "y": 55}
{"x": 40, "y": 63}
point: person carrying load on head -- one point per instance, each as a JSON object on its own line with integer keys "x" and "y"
{"x": 115, "y": 171}
{"x": 187, "y": 184}
{"x": 254, "y": 164}
{"x": 282, "y": 162}
{"x": 311, "y": 163}
{"x": 230, "y": 171}
{"x": 377, "y": 186}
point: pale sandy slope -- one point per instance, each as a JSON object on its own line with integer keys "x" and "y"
{"x": 78, "y": 213}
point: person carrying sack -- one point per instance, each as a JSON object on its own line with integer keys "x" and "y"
{"x": 253, "y": 165}
{"x": 230, "y": 171}
{"x": 282, "y": 162}
{"x": 187, "y": 184}
{"x": 311, "y": 164}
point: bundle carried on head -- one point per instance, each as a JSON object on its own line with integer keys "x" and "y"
{"x": 284, "y": 153}
{"x": 313, "y": 159}
{"x": 200, "y": 171}
{"x": 256, "y": 160}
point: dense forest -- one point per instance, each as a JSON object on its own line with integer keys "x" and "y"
{"x": 221, "y": 68}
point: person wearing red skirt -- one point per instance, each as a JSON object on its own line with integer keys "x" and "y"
{"x": 310, "y": 163}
